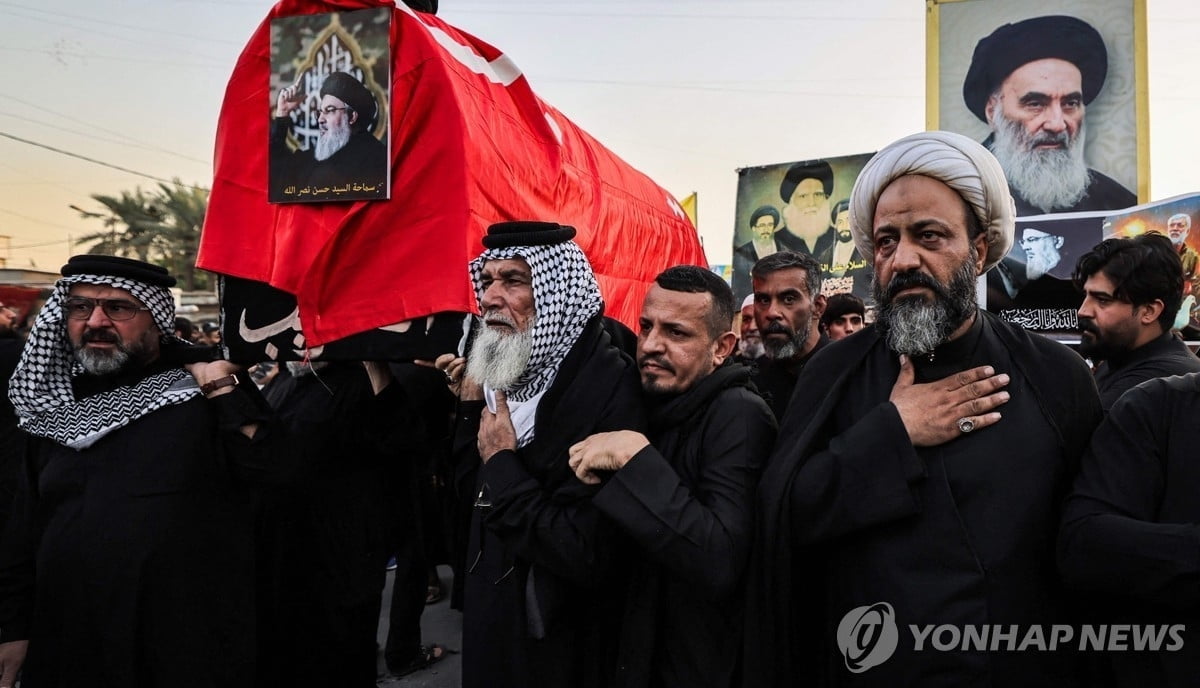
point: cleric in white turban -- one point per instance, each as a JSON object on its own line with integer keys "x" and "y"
{"x": 917, "y": 481}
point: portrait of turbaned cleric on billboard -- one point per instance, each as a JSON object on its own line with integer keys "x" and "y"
{"x": 800, "y": 206}
{"x": 1051, "y": 88}
{"x": 329, "y": 107}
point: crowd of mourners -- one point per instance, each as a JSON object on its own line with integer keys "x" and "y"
{"x": 770, "y": 493}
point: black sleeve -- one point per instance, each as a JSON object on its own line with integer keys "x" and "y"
{"x": 558, "y": 528}
{"x": 862, "y": 478}
{"x": 701, "y": 533}
{"x": 1110, "y": 540}
{"x": 18, "y": 550}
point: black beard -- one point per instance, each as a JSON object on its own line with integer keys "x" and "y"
{"x": 914, "y": 325}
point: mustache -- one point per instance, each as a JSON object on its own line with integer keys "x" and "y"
{"x": 1062, "y": 138}
{"x": 656, "y": 360}
{"x": 775, "y": 327}
{"x": 498, "y": 317}
{"x": 1088, "y": 325}
{"x": 105, "y": 336}
{"x": 908, "y": 280}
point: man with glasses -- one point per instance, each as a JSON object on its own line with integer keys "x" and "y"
{"x": 543, "y": 582}
{"x": 128, "y": 558}
{"x": 345, "y": 152}
{"x": 764, "y": 223}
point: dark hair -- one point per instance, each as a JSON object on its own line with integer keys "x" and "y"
{"x": 1143, "y": 269}
{"x": 697, "y": 280}
{"x": 838, "y": 305}
{"x": 838, "y": 208}
{"x": 764, "y": 210}
{"x": 184, "y": 327}
{"x": 784, "y": 260}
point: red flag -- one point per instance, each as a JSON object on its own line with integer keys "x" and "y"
{"x": 470, "y": 145}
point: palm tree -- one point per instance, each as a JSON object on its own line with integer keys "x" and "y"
{"x": 160, "y": 227}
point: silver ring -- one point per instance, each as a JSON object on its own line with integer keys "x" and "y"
{"x": 449, "y": 380}
{"x": 965, "y": 425}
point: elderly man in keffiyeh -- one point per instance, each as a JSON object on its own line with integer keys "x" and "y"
{"x": 128, "y": 557}
{"x": 920, "y": 466}
{"x": 541, "y": 595}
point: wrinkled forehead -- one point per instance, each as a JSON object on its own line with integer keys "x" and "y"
{"x": 506, "y": 267}
{"x": 102, "y": 291}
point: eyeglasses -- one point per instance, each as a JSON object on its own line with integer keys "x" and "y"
{"x": 329, "y": 109}
{"x": 81, "y": 308}
{"x": 1030, "y": 239}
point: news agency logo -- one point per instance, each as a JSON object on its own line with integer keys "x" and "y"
{"x": 867, "y": 636}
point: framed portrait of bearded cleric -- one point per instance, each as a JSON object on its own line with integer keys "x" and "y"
{"x": 1056, "y": 89}
{"x": 328, "y": 104}
{"x": 800, "y": 206}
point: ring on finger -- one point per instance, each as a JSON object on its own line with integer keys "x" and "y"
{"x": 965, "y": 425}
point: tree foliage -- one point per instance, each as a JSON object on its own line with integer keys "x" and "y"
{"x": 161, "y": 226}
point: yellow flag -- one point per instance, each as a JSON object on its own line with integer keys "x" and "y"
{"x": 689, "y": 206}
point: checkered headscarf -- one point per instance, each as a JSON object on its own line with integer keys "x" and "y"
{"x": 40, "y": 389}
{"x": 565, "y": 297}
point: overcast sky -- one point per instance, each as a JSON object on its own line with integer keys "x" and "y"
{"x": 685, "y": 90}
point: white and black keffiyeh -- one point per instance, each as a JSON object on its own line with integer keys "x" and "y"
{"x": 40, "y": 389}
{"x": 565, "y": 297}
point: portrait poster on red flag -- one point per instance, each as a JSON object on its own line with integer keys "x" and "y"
{"x": 469, "y": 144}
{"x": 329, "y": 106}
{"x": 1056, "y": 89}
{"x": 800, "y": 206}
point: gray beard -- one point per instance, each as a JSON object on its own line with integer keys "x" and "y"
{"x": 496, "y": 359}
{"x": 914, "y": 325}
{"x": 330, "y": 142}
{"x": 792, "y": 347}
{"x": 1050, "y": 179}
{"x": 751, "y": 348}
{"x": 1037, "y": 265}
{"x": 98, "y": 362}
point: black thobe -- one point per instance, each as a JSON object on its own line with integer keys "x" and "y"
{"x": 12, "y": 439}
{"x": 776, "y": 379}
{"x": 687, "y": 501}
{"x": 544, "y": 567}
{"x": 130, "y": 563}
{"x": 1130, "y": 533}
{"x": 1164, "y": 356}
{"x": 324, "y": 527}
{"x": 962, "y": 533}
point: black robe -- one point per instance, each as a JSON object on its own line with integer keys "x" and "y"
{"x": 324, "y": 528}
{"x": 688, "y": 502}
{"x": 1167, "y": 355}
{"x": 1129, "y": 531}
{"x": 130, "y": 563}
{"x": 776, "y": 380}
{"x": 544, "y": 568}
{"x": 963, "y": 533}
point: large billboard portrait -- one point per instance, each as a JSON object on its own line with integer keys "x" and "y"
{"x": 1055, "y": 89}
{"x": 329, "y": 107}
{"x": 800, "y": 206}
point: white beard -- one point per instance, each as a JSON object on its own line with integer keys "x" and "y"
{"x": 1037, "y": 265}
{"x": 497, "y": 359}
{"x": 331, "y": 141}
{"x": 1047, "y": 179}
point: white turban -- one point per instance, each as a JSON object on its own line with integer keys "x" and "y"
{"x": 955, "y": 160}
